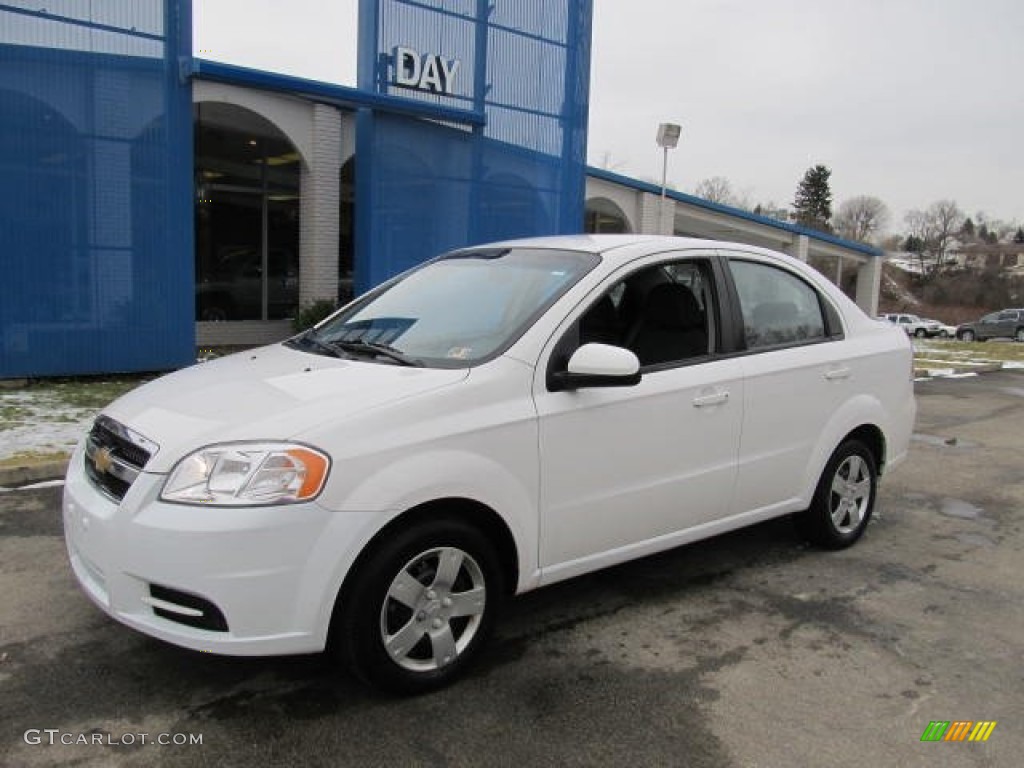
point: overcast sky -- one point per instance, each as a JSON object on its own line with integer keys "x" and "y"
{"x": 911, "y": 101}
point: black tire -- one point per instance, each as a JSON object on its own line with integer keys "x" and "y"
{"x": 444, "y": 624}
{"x": 966, "y": 336}
{"x": 844, "y": 499}
{"x": 1019, "y": 335}
{"x": 920, "y": 333}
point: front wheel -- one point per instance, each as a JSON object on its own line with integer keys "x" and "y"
{"x": 844, "y": 498}
{"x": 420, "y": 607}
{"x": 966, "y": 336}
{"x": 1019, "y": 335}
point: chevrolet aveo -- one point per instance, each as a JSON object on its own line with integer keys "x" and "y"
{"x": 495, "y": 420}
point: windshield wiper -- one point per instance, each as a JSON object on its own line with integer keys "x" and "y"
{"x": 358, "y": 346}
{"x": 309, "y": 337}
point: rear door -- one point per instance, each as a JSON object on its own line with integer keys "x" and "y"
{"x": 1006, "y": 323}
{"x": 988, "y": 326}
{"x": 796, "y": 373}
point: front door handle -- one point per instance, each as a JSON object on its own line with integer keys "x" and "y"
{"x": 837, "y": 373}
{"x": 716, "y": 398}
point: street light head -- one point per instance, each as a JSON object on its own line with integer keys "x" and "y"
{"x": 668, "y": 135}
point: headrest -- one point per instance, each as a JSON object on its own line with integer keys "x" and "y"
{"x": 671, "y": 305}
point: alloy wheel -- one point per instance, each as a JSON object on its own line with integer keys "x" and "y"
{"x": 433, "y": 609}
{"x": 850, "y": 496}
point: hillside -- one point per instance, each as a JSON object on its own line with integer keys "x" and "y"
{"x": 955, "y": 296}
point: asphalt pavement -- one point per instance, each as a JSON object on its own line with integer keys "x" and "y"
{"x": 747, "y": 650}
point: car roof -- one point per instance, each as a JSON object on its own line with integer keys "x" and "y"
{"x": 616, "y": 248}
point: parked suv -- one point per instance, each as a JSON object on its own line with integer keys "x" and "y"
{"x": 914, "y": 325}
{"x": 1007, "y": 323}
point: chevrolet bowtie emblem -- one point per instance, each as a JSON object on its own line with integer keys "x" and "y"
{"x": 103, "y": 460}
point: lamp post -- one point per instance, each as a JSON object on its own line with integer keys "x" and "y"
{"x": 668, "y": 138}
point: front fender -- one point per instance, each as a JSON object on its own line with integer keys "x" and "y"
{"x": 448, "y": 473}
{"x": 417, "y": 479}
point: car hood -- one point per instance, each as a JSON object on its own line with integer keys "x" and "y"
{"x": 271, "y": 393}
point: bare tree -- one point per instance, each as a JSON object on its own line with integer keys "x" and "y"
{"x": 717, "y": 189}
{"x": 861, "y": 217}
{"x": 935, "y": 229}
{"x": 949, "y": 219}
{"x": 608, "y": 164}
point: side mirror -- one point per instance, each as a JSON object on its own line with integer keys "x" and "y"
{"x": 598, "y": 365}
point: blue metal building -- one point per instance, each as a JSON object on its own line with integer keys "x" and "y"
{"x": 152, "y": 202}
{"x": 101, "y": 194}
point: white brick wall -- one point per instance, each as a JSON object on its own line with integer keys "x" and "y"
{"x": 869, "y": 285}
{"x": 320, "y": 190}
{"x": 656, "y": 218}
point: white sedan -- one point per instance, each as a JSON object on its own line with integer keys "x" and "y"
{"x": 944, "y": 331}
{"x": 498, "y": 419}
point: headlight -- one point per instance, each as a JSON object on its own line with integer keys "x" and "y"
{"x": 248, "y": 474}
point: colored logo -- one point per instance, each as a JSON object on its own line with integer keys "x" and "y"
{"x": 104, "y": 460}
{"x": 958, "y": 730}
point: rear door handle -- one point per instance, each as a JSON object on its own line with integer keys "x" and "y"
{"x": 716, "y": 398}
{"x": 837, "y": 373}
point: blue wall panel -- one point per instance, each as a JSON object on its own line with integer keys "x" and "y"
{"x": 423, "y": 187}
{"x": 95, "y": 188}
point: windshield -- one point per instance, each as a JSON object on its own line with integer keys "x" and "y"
{"x": 460, "y": 309}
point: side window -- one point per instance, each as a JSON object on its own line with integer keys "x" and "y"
{"x": 661, "y": 313}
{"x": 778, "y": 307}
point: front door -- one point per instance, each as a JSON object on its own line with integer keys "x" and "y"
{"x": 622, "y": 468}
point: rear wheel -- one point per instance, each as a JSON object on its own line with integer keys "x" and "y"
{"x": 844, "y": 498}
{"x": 1019, "y": 335}
{"x": 920, "y": 333}
{"x": 420, "y": 607}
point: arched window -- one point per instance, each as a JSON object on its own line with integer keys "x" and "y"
{"x": 247, "y": 177}
{"x": 602, "y": 216}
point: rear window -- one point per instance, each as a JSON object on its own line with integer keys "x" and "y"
{"x": 778, "y": 307}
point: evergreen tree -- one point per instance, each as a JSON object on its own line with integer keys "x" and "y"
{"x": 813, "y": 204}
{"x": 913, "y": 244}
{"x": 1019, "y": 237}
{"x": 968, "y": 228}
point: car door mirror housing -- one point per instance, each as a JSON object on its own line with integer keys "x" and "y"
{"x": 598, "y": 365}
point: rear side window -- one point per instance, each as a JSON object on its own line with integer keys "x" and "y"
{"x": 778, "y": 307}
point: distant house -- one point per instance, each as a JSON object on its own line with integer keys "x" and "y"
{"x": 990, "y": 255}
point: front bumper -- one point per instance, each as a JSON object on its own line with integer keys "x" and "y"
{"x": 272, "y": 573}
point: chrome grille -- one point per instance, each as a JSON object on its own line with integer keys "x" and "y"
{"x": 115, "y": 455}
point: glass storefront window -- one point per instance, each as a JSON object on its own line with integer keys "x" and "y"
{"x": 346, "y": 233}
{"x": 247, "y": 216}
